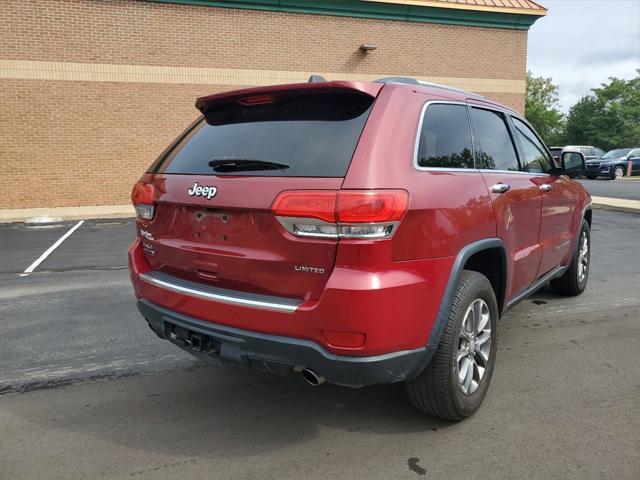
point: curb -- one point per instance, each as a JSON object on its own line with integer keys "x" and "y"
{"x": 51, "y": 215}
{"x": 616, "y": 204}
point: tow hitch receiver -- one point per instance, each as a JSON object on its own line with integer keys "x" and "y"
{"x": 197, "y": 342}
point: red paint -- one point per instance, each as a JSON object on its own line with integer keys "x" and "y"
{"x": 243, "y": 95}
{"x": 372, "y": 296}
{"x": 517, "y": 215}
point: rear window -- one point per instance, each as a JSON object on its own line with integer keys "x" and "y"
{"x": 297, "y": 135}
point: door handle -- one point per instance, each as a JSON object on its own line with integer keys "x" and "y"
{"x": 546, "y": 187}
{"x": 500, "y": 188}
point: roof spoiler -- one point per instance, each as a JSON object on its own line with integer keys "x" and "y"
{"x": 244, "y": 95}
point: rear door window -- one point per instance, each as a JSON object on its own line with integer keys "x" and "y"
{"x": 303, "y": 135}
{"x": 494, "y": 146}
{"x": 445, "y": 137}
{"x": 536, "y": 158}
{"x": 556, "y": 152}
{"x": 588, "y": 152}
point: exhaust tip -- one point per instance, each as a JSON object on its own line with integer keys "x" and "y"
{"x": 312, "y": 378}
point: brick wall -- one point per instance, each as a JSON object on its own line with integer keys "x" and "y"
{"x": 74, "y": 142}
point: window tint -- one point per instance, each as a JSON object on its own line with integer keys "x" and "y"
{"x": 635, "y": 153}
{"x": 556, "y": 152}
{"x": 536, "y": 159}
{"x": 617, "y": 153}
{"x": 587, "y": 152}
{"x": 314, "y": 135}
{"x": 445, "y": 139}
{"x": 496, "y": 147}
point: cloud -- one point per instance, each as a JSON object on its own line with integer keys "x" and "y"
{"x": 581, "y": 43}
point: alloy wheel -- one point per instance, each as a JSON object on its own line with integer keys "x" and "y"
{"x": 618, "y": 172}
{"x": 474, "y": 346}
{"x": 583, "y": 257}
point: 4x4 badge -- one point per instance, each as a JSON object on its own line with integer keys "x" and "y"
{"x": 200, "y": 191}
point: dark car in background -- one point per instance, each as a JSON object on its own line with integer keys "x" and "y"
{"x": 614, "y": 164}
{"x": 589, "y": 152}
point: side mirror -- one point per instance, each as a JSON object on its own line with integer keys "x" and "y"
{"x": 573, "y": 164}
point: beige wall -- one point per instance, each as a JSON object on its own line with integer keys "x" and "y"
{"x": 92, "y": 91}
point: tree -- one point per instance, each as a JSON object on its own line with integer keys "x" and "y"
{"x": 542, "y": 108}
{"x": 609, "y": 117}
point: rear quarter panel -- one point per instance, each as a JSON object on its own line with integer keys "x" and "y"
{"x": 448, "y": 209}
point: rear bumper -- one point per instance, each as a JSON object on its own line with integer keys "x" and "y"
{"x": 280, "y": 354}
{"x": 393, "y": 309}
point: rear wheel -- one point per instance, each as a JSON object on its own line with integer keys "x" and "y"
{"x": 574, "y": 280}
{"x": 454, "y": 383}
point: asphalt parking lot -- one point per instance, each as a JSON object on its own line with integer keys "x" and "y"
{"x": 87, "y": 391}
{"x": 628, "y": 189}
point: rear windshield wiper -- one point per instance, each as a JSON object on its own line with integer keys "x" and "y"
{"x": 244, "y": 165}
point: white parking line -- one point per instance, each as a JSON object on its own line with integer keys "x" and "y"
{"x": 47, "y": 252}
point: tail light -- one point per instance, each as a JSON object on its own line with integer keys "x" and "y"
{"x": 142, "y": 197}
{"x": 372, "y": 214}
{"x": 256, "y": 100}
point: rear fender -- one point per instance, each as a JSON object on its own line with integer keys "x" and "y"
{"x": 456, "y": 271}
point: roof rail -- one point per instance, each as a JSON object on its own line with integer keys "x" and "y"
{"x": 316, "y": 79}
{"x": 405, "y": 80}
{"x": 413, "y": 81}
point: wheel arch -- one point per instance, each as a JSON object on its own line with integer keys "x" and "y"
{"x": 615, "y": 167}
{"x": 486, "y": 256}
{"x": 588, "y": 215}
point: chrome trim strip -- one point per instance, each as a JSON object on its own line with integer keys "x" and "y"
{"x": 447, "y": 169}
{"x": 515, "y": 172}
{"x": 493, "y": 108}
{"x": 390, "y": 230}
{"x": 193, "y": 289}
{"x": 289, "y": 224}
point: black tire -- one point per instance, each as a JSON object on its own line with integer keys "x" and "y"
{"x": 592, "y": 177}
{"x": 613, "y": 175}
{"x": 437, "y": 390}
{"x": 570, "y": 283}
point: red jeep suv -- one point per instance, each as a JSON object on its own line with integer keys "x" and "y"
{"x": 356, "y": 232}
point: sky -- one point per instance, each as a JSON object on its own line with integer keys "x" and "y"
{"x": 581, "y": 43}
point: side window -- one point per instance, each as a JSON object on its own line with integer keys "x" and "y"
{"x": 445, "y": 139}
{"x": 635, "y": 153}
{"x": 536, "y": 159}
{"x": 496, "y": 150}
